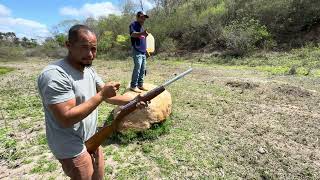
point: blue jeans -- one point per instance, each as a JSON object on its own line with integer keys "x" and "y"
{"x": 139, "y": 60}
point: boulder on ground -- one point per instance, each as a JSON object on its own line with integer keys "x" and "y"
{"x": 141, "y": 119}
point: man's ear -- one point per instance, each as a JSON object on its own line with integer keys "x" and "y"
{"x": 67, "y": 44}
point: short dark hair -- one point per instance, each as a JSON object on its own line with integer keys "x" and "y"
{"x": 75, "y": 30}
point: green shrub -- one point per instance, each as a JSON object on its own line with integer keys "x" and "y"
{"x": 8, "y": 53}
{"x": 168, "y": 45}
{"x": 46, "y": 51}
{"x": 287, "y": 20}
{"x": 58, "y": 52}
{"x": 123, "y": 40}
{"x": 242, "y": 37}
{"x": 105, "y": 42}
{"x": 60, "y": 39}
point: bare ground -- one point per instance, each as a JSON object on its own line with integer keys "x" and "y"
{"x": 228, "y": 123}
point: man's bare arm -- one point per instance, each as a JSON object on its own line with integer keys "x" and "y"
{"x": 68, "y": 113}
{"x": 116, "y": 100}
{"x": 119, "y": 100}
{"x": 138, "y": 34}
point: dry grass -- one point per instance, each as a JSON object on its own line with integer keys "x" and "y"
{"x": 227, "y": 123}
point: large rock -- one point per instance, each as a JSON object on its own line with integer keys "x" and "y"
{"x": 141, "y": 119}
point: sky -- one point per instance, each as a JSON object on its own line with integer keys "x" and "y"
{"x": 35, "y": 18}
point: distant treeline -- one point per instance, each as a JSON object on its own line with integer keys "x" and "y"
{"x": 235, "y": 27}
{"x": 10, "y": 38}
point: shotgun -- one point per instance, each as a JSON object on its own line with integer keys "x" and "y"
{"x": 97, "y": 139}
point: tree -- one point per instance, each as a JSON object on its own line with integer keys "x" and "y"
{"x": 16, "y": 41}
{"x": 24, "y": 42}
{"x": 129, "y": 7}
{"x": 33, "y": 43}
{"x": 106, "y": 41}
{"x": 64, "y": 26}
{"x": 61, "y": 39}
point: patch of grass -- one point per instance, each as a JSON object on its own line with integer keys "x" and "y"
{"x": 126, "y": 137}
{"x": 129, "y": 136}
{"x": 153, "y": 133}
{"x": 21, "y": 106}
{"x": 41, "y": 139}
{"x": 283, "y": 70}
{"x": 177, "y": 142}
{"x": 105, "y": 114}
{"x": 108, "y": 169}
{"x": 278, "y": 70}
{"x": 9, "y": 150}
{"x": 117, "y": 157}
{"x": 264, "y": 174}
{"x": 44, "y": 166}
{"x": 303, "y": 71}
{"x": 51, "y": 178}
{"x": 147, "y": 148}
{"x": 219, "y": 163}
{"x": 25, "y": 125}
{"x": 157, "y": 130}
{"x": 6, "y": 138}
{"x": 306, "y": 59}
{"x": 165, "y": 165}
{"x": 317, "y": 73}
{"x": 307, "y": 173}
{"x": 4, "y": 70}
{"x": 108, "y": 150}
{"x": 133, "y": 171}
{"x": 27, "y": 161}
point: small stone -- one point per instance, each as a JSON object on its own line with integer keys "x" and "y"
{"x": 16, "y": 165}
{"x": 261, "y": 150}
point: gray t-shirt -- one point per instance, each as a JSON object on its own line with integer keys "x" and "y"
{"x": 57, "y": 83}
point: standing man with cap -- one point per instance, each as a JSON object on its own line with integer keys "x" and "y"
{"x": 138, "y": 41}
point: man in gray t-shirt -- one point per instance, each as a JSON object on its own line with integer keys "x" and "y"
{"x": 71, "y": 91}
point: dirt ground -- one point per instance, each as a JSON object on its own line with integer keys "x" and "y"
{"x": 227, "y": 123}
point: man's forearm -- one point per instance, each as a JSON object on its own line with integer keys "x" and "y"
{"x": 136, "y": 34}
{"x": 116, "y": 100}
{"x": 78, "y": 113}
{"x": 119, "y": 100}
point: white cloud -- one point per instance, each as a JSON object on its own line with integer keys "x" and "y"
{"x": 94, "y": 10}
{"x": 69, "y": 11}
{"x": 22, "y": 27}
{"x": 4, "y": 11}
{"x": 29, "y": 28}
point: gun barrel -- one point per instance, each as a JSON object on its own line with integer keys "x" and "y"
{"x": 177, "y": 77}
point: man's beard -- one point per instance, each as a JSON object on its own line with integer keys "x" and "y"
{"x": 86, "y": 65}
